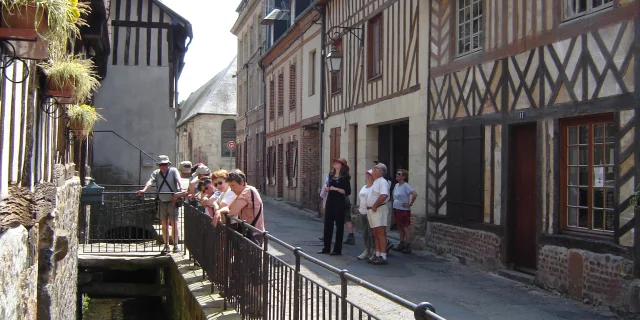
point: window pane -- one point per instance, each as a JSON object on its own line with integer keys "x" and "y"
{"x": 573, "y": 217}
{"x": 573, "y": 136}
{"x": 609, "y": 199}
{"x": 584, "y": 155}
{"x": 598, "y": 219}
{"x": 583, "y": 218}
{"x": 609, "y": 177}
{"x": 583, "y": 176}
{"x": 583, "y": 199}
{"x": 598, "y": 155}
{"x": 609, "y": 153}
{"x": 572, "y": 196}
{"x": 583, "y": 135}
{"x": 609, "y": 221}
{"x": 598, "y": 133}
{"x": 573, "y": 176}
{"x": 573, "y": 155}
{"x": 610, "y": 132}
{"x": 598, "y": 198}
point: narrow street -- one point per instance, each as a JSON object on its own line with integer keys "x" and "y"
{"x": 456, "y": 291}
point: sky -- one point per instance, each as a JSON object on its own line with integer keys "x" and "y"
{"x": 213, "y": 46}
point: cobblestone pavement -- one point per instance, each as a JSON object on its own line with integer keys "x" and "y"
{"x": 456, "y": 291}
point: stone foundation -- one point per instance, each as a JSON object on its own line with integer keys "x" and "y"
{"x": 38, "y": 249}
{"x": 470, "y": 246}
{"x": 602, "y": 279}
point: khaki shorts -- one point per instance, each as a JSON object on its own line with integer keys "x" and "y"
{"x": 167, "y": 211}
{"x": 378, "y": 218}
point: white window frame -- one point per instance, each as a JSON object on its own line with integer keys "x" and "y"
{"x": 479, "y": 34}
{"x": 589, "y": 10}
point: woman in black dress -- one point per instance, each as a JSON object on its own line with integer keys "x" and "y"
{"x": 339, "y": 187}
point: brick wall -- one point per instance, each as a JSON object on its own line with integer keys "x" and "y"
{"x": 471, "y": 246}
{"x": 309, "y": 168}
{"x": 600, "y": 278}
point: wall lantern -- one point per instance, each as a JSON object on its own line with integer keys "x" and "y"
{"x": 334, "y": 57}
{"x": 184, "y": 132}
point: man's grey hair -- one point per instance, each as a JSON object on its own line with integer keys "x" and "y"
{"x": 382, "y": 167}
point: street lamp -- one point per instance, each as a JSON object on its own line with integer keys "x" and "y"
{"x": 184, "y": 132}
{"x": 334, "y": 59}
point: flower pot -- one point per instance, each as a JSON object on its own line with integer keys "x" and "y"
{"x": 25, "y": 17}
{"x": 77, "y": 128}
{"x": 61, "y": 91}
{"x": 19, "y": 27}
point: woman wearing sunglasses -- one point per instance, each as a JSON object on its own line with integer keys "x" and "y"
{"x": 224, "y": 195}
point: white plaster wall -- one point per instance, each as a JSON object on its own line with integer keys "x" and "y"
{"x": 135, "y": 103}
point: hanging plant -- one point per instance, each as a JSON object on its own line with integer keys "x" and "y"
{"x": 71, "y": 77}
{"x": 82, "y": 119}
{"x": 55, "y": 21}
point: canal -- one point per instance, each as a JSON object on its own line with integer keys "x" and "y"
{"x": 147, "y": 308}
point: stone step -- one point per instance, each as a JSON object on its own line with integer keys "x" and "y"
{"x": 517, "y": 276}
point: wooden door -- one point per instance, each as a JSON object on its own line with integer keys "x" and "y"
{"x": 523, "y": 198}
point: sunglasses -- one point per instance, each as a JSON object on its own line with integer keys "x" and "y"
{"x": 399, "y": 174}
{"x": 218, "y": 183}
{"x": 163, "y": 165}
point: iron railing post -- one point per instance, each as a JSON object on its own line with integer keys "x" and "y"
{"x": 225, "y": 253}
{"x": 343, "y": 294}
{"x": 265, "y": 275}
{"x": 296, "y": 285}
{"x": 202, "y": 238}
{"x": 420, "y": 312}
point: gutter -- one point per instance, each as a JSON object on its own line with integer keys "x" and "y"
{"x": 323, "y": 36}
{"x": 263, "y": 185}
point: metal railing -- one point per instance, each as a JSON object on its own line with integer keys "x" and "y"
{"x": 124, "y": 222}
{"x": 258, "y": 281}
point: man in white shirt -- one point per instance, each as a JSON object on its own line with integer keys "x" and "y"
{"x": 378, "y": 212}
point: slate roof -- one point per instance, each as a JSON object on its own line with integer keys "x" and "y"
{"x": 217, "y": 96}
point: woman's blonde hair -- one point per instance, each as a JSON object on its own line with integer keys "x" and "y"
{"x": 221, "y": 174}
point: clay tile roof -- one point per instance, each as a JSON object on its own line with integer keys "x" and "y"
{"x": 217, "y": 96}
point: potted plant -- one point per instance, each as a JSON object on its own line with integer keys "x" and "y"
{"x": 38, "y": 22}
{"x": 82, "y": 119}
{"x": 70, "y": 77}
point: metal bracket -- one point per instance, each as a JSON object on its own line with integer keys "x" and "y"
{"x": 8, "y": 52}
{"x": 336, "y": 33}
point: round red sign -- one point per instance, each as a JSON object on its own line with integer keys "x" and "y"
{"x": 231, "y": 145}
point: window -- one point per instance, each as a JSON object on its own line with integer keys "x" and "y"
{"x": 280, "y": 95}
{"x": 228, "y": 134}
{"x": 293, "y": 83}
{"x": 336, "y": 77}
{"x": 271, "y": 165}
{"x": 291, "y": 166}
{"x": 312, "y": 73}
{"x": 334, "y": 143}
{"x": 272, "y": 100}
{"x": 588, "y": 174}
{"x": 577, "y": 8}
{"x": 469, "y": 26}
{"x": 374, "y": 48}
{"x": 465, "y": 170}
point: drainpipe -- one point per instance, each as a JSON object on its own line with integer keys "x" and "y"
{"x": 263, "y": 185}
{"x": 323, "y": 36}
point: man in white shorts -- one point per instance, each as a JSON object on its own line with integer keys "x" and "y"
{"x": 378, "y": 212}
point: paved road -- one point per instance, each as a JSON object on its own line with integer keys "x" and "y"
{"x": 456, "y": 291}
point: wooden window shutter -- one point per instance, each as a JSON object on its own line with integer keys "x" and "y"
{"x": 294, "y": 174}
{"x": 285, "y": 163}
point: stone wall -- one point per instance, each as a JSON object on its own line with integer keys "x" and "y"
{"x": 38, "y": 249}
{"x": 602, "y": 279}
{"x": 470, "y": 246}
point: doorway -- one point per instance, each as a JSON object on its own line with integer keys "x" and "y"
{"x": 393, "y": 147}
{"x": 523, "y": 205}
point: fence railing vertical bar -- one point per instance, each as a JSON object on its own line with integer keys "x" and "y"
{"x": 343, "y": 293}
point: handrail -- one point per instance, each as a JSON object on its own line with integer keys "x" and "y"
{"x": 125, "y": 140}
{"x": 421, "y": 310}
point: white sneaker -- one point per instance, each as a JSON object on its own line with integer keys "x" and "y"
{"x": 363, "y": 255}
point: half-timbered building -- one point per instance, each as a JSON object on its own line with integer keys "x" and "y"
{"x": 375, "y": 103}
{"x": 139, "y": 99}
{"x": 40, "y": 160}
{"x": 250, "y": 135}
{"x": 533, "y": 139}
{"x": 292, "y": 78}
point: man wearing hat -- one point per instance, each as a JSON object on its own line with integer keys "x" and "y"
{"x": 201, "y": 173}
{"x": 167, "y": 182}
{"x": 377, "y": 212}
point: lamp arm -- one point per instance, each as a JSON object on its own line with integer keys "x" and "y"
{"x": 334, "y": 34}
